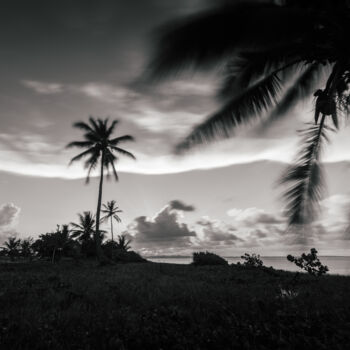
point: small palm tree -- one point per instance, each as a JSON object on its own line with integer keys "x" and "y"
{"x": 12, "y": 247}
{"x": 101, "y": 148}
{"x": 111, "y": 211}
{"x": 276, "y": 53}
{"x": 26, "y": 248}
{"x": 85, "y": 229}
{"x": 123, "y": 243}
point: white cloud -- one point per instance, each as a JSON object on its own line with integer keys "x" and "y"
{"x": 8, "y": 214}
{"x": 253, "y": 216}
{"x": 42, "y": 87}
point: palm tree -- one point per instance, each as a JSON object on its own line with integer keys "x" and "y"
{"x": 85, "y": 229}
{"x": 264, "y": 46}
{"x": 100, "y": 147}
{"x": 123, "y": 243}
{"x": 12, "y": 247}
{"x": 111, "y": 211}
{"x": 26, "y": 247}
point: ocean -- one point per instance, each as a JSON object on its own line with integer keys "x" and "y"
{"x": 338, "y": 265}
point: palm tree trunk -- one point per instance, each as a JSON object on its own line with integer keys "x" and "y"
{"x": 112, "y": 228}
{"x": 99, "y": 252}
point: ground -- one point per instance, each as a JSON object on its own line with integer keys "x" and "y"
{"x": 72, "y": 305}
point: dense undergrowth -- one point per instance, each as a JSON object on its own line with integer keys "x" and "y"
{"x": 163, "y": 306}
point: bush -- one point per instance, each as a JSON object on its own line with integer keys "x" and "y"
{"x": 207, "y": 258}
{"x": 310, "y": 263}
{"x": 252, "y": 260}
{"x": 112, "y": 251}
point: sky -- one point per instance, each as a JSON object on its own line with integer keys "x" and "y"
{"x": 62, "y": 61}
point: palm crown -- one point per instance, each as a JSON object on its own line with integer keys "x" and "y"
{"x": 85, "y": 229}
{"x": 100, "y": 145}
{"x": 264, "y": 46}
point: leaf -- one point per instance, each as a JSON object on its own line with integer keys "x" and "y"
{"x": 251, "y": 103}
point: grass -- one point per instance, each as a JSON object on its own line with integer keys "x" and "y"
{"x": 165, "y": 306}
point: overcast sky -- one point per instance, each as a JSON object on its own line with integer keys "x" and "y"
{"x": 62, "y": 61}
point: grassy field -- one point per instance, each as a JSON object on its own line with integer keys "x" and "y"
{"x": 163, "y": 306}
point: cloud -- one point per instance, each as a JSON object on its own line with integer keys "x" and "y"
{"x": 217, "y": 232}
{"x": 42, "y": 87}
{"x": 178, "y": 205}
{"x": 253, "y": 216}
{"x": 8, "y": 214}
{"x": 163, "y": 230}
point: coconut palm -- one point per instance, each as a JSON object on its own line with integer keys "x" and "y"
{"x": 111, "y": 211}
{"x": 275, "y": 54}
{"x": 85, "y": 229}
{"x": 101, "y": 148}
{"x": 12, "y": 247}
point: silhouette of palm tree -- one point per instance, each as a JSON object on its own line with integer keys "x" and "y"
{"x": 265, "y": 46}
{"x": 101, "y": 147}
{"x": 85, "y": 229}
{"x": 12, "y": 247}
{"x": 111, "y": 211}
{"x": 123, "y": 243}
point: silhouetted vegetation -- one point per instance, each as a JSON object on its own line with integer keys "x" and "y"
{"x": 164, "y": 306}
{"x": 252, "y": 260}
{"x": 266, "y": 45}
{"x": 111, "y": 211}
{"x": 207, "y": 258}
{"x": 100, "y": 148}
{"x": 310, "y": 263}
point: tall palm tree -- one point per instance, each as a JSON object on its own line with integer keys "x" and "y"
{"x": 111, "y": 211}
{"x": 275, "y": 54}
{"x": 100, "y": 147}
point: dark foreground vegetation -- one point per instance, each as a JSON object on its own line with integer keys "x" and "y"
{"x": 79, "y": 305}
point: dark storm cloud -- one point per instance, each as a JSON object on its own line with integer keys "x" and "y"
{"x": 178, "y": 205}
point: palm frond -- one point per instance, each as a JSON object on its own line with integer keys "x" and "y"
{"x": 300, "y": 90}
{"x": 249, "y": 67}
{"x": 205, "y": 39}
{"x": 251, "y": 103}
{"x": 82, "y": 144}
{"x": 123, "y": 152}
{"x": 120, "y": 139}
{"x": 111, "y": 128}
{"x": 83, "y": 126}
{"x": 81, "y": 155}
{"x": 304, "y": 178}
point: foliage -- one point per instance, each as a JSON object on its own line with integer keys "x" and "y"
{"x": 120, "y": 252}
{"x": 26, "y": 248}
{"x": 100, "y": 147}
{"x": 310, "y": 263}
{"x": 207, "y": 258}
{"x": 111, "y": 211}
{"x": 252, "y": 260}
{"x": 164, "y": 306}
{"x": 13, "y": 247}
{"x": 54, "y": 245}
{"x": 277, "y": 54}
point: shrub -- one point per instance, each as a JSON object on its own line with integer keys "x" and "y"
{"x": 112, "y": 251}
{"x": 252, "y": 260}
{"x": 207, "y": 258}
{"x": 310, "y": 263}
